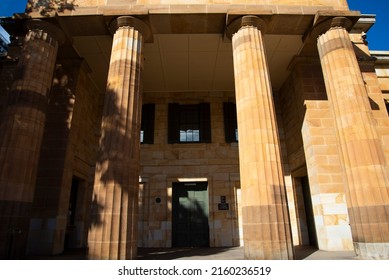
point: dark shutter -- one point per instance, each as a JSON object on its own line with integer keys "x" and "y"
{"x": 205, "y": 123}
{"x": 148, "y": 116}
{"x": 230, "y": 122}
{"x": 387, "y": 105}
{"x": 173, "y": 123}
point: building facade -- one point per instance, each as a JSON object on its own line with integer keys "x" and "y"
{"x": 142, "y": 123}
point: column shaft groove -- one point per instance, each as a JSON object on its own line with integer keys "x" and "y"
{"x": 21, "y": 131}
{"x": 114, "y": 218}
{"x": 365, "y": 169}
{"x": 266, "y": 229}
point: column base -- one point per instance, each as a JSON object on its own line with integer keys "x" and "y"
{"x": 259, "y": 250}
{"x": 372, "y": 251}
{"x": 111, "y": 250}
{"x": 14, "y": 224}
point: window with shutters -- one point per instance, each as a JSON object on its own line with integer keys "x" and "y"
{"x": 147, "y": 125}
{"x": 230, "y": 122}
{"x": 189, "y": 123}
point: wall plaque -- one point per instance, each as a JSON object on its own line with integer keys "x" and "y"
{"x": 223, "y": 206}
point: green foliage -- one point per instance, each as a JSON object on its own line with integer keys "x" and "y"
{"x": 47, "y": 7}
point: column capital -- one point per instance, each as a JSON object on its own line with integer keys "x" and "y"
{"x": 248, "y": 20}
{"x": 325, "y": 25}
{"x": 130, "y": 21}
{"x": 49, "y": 28}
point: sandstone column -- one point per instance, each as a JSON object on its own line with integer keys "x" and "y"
{"x": 115, "y": 195}
{"x": 266, "y": 227}
{"x": 21, "y": 131}
{"x": 50, "y": 214}
{"x": 365, "y": 172}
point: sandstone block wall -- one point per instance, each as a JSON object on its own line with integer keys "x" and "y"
{"x": 163, "y": 163}
{"x": 326, "y": 183}
{"x": 312, "y": 150}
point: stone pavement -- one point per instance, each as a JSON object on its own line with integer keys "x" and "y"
{"x": 232, "y": 253}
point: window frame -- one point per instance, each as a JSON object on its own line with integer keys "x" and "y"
{"x": 175, "y": 122}
{"x": 230, "y": 122}
{"x": 147, "y": 124}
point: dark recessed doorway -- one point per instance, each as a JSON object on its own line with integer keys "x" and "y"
{"x": 190, "y": 215}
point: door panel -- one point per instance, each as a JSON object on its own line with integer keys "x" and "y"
{"x": 182, "y": 221}
{"x": 190, "y": 215}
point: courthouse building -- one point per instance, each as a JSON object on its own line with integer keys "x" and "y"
{"x": 173, "y": 123}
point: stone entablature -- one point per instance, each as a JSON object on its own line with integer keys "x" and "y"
{"x": 61, "y": 4}
{"x": 39, "y": 8}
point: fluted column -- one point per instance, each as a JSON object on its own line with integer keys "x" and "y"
{"x": 21, "y": 132}
{"x": 113, "y": 233}
{"x": 266, "y": 227}
{"x": 365, "y": 170}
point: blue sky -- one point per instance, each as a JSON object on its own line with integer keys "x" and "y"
{"x": 377, "y": 36}
{"x": 9, "y": 7}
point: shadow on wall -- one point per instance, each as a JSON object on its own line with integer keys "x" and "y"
{"x": 53, "y": 183}
{"x": 116, "y": 177}
{"x": 190, "y": 225}
{"x": 49, "y": 7}
{"x": 95, "y": 214}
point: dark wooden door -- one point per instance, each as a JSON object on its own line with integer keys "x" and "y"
{"x": 190, "y": 215}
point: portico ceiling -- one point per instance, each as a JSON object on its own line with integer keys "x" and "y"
{"x": 188, "y": 62}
